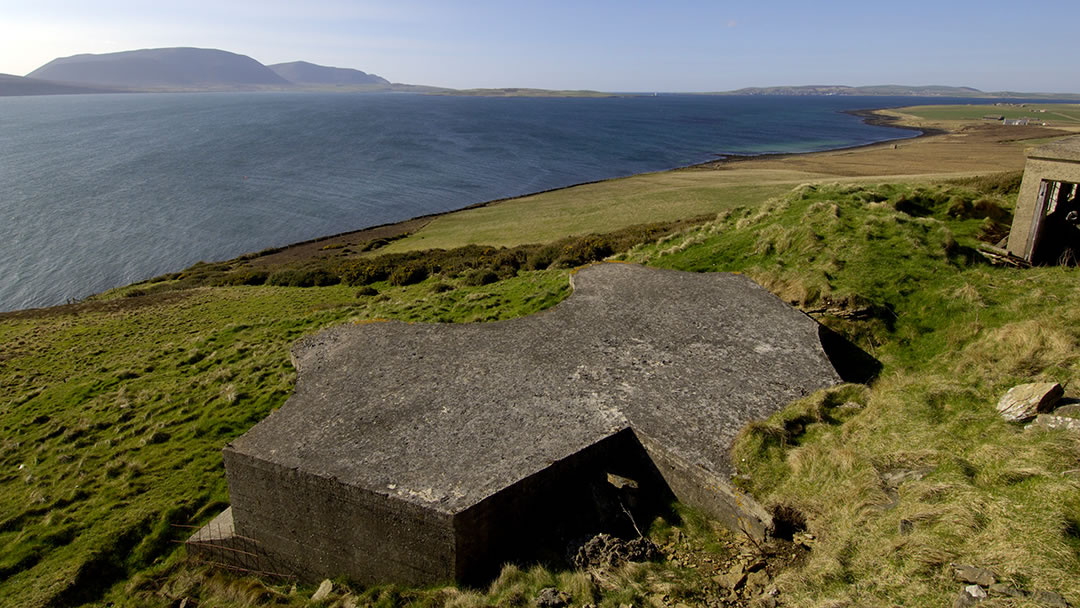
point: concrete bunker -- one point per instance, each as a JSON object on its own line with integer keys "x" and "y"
{"x": 422, "y": 453}
{"x": 1045, "y": 223}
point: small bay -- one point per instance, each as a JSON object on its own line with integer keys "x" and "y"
{"x": 98, "y": 191}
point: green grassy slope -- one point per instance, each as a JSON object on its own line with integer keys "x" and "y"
{"x": 954, "y": 334}
{"x": 113, "y": 422}
{"x": 1054, "y": 113}
{"x": 113, "y": 417}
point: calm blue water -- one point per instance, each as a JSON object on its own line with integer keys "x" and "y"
{"x": 98, "y": 191}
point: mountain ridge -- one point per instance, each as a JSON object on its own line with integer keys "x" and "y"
{"x": 162, "y": 67}
{"x": 304, "y": 72}
{"x": 198, "y": 69}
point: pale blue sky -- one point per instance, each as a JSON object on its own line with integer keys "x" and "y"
{"x": 629, "y": 45}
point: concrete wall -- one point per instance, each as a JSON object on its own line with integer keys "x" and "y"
{"x": 327, "y": 529}
{"x": 1022, "y": 237}
{"x": 537, "y": 518}
{"x": 714, "y": 494}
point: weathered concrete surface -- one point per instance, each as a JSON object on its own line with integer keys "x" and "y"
{"x": 427, "y": 452}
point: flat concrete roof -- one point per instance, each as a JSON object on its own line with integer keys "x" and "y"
{"x": 1066, "y": 148}
{"x": 445, "y": 415}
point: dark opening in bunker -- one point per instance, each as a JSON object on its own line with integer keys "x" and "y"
{"x": 1056, "y": 237}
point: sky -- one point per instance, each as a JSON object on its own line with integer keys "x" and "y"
{"x": 607, "y": 45}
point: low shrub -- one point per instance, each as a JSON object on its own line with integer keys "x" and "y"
{"x": 409, "y": 273}
{"x": 303, "y": 278}
{"x": 481, "y": 276}
{"x": 243, "y": 277}
{"x": 363, "y": 272}
{"x": 587, "y": 249}
{"x": 542, "y": 257}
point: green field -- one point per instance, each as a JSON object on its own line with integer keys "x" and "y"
{"x": 1052, "y": 113}
{"x": 600, "y": 207}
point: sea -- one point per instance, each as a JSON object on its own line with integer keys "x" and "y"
{"x": 99, "y": 191}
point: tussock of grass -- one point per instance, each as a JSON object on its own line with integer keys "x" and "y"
{"x": 920, "y": 471}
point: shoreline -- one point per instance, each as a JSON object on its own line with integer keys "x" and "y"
{"x": 397, "y": 229}
{"x": 868, "y": 116}
{"x": 948, "y": 144}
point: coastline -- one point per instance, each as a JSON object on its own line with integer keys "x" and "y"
{"x": 958, "y": 150}
{"x": 391, "y": 230}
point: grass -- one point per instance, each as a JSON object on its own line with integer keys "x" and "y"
{"x": 954, "y": 334}
{"x": 1053, "y": 113}
{"x": 663, "y": 197}
{"x": 113, "y": 422}
{"x": 593, "y": 208}
{"x": 117, "y": 416}
{"x": 113, "y": 412}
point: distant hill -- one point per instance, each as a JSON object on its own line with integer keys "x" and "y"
{"x": 895, "y": 90}
{"x": 160, "y": 68}
{"x": 887, "y": 89}
{"x": 304, "y": 73}
{"x": 20, "y": 85}
{"x": 523, "y": 92}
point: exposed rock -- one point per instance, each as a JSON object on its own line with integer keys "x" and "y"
{"x": 324, "y": 591}
{"x": 755, "y": 564}
{"x": 1072, "y": 410}
{"x": 606, "y": 550}
{"x": 1053, "y": 421}
{"x": 1049, "y": 598}
{"x": 969, "y": 596}
{"x": 757, "y": 581}
{"x": 1024, "y": 401}
{"x": 621, "y": 482}
{"x": 850, "y": 406}
{"x": 976, "y": 592}
{"x": 1001, "y": 589}
{"x": 973, "y": 575}
{"x": 733, "y": 579}
{"x": 550, "y": 597}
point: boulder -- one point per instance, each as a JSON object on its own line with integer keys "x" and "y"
{"x": 1001, "y": 589}
{"x": 1025, "y": 401}
{"x": 1053, "y": 421}
{"x": 550, "y": 597}
{"x": 1049, "y": 598}
{"x": 969, "y": 596}
{"x": 733, "y": 579}
{"x": 1072, "y": 410}
{"x": 973, "y": 575}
